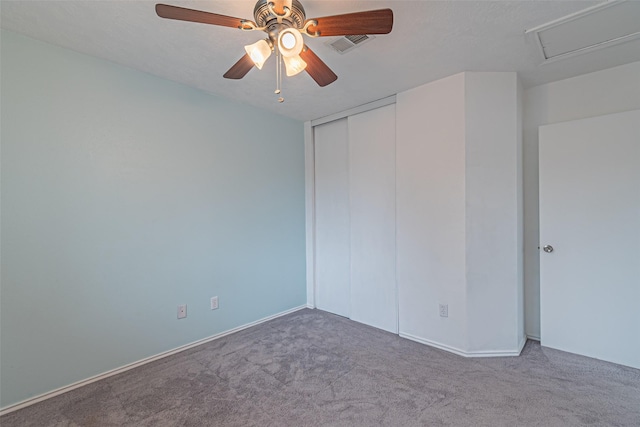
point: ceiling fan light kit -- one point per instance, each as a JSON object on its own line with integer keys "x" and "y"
{"x": 294, "y": 64}
{"x": 290, "y": 42}
{"x": 259, "y": 52}
{"x": 285, "y": 23}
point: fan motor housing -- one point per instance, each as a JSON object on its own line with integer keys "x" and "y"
{"x": 264, "y": 17}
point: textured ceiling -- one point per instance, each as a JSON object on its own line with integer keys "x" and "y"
{"x": 430, "y": 40}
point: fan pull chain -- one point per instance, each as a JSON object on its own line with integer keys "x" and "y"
{"x": 278, "y": 90}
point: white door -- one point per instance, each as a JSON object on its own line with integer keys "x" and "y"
{"x": 372, "y": 189}
{"x": 590, "y": 216}
{"x": 332, "y": 251}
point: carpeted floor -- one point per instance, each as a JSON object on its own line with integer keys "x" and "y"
{"x": 311, "y": 368}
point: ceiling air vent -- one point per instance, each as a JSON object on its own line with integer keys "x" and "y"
{"x": 346, "y": 43}
{"x": 594, "y": 28}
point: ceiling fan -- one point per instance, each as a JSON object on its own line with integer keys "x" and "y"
{"x": 285, "y": 23}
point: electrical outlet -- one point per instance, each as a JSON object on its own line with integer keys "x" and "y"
{"x": 214, "y": 303}
{"x": 182, "y": 311}
{"x": 444, "y": 310}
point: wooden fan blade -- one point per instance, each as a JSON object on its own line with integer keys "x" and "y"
{"x": 370, "y": 22}
{"x": 317, "y": 69}
{"x": 191, "y": 15}
{"x": 240, "y": 68}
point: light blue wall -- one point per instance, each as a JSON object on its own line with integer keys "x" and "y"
{"x": 124, "y": 195}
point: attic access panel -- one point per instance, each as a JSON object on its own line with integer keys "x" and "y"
{"x": 591, "y": 29}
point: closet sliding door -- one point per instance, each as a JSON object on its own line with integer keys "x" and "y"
{"x": 332, "y": 251}
{"x": 355, "y": 201}
{"x": 372, "y": 196}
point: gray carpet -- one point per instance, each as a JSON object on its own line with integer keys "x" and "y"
{"x": 311, "y": 368}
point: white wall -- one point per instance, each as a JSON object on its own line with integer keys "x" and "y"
{"x": 430, "y": 176}
{"x": 493, "y": 212}
{"x": 594, "y": 94}
{"x": 459, "y": 213}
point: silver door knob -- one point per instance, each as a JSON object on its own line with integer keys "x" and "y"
{"x": 548, "y": 249}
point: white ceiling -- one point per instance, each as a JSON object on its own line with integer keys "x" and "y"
{"x": 430, "y": 40}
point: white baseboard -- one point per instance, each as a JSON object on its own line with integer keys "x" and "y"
{"x": 534, "y": 337}
{"x": 463, "y": 353}
{"x": 522, "y": 344}
{"x": 311, "y": 306}
{"x": 78, "y": 384}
